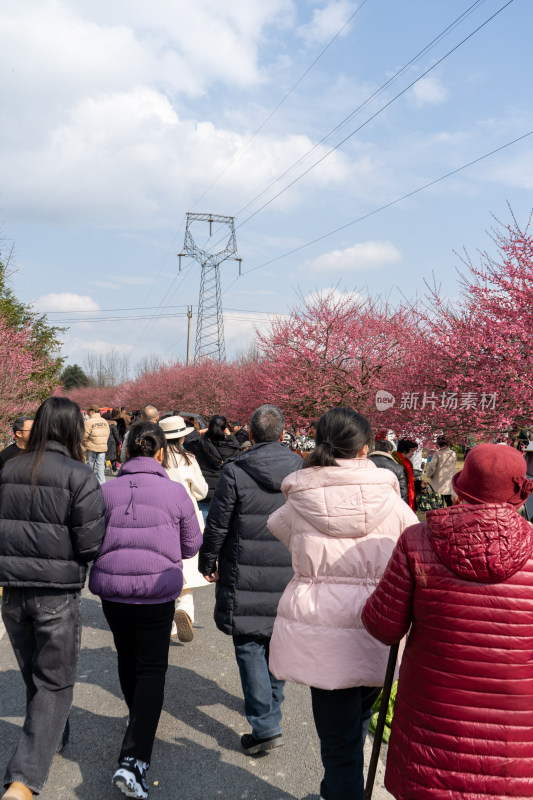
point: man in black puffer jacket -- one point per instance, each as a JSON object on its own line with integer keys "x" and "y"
{"x": 253, "y": 567}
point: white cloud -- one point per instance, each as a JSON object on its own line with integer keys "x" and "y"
{"x": 98, "y": 119}
{"x": 255, "y": 292}
{"x": 94, "y": 88}
{"x": 239, "y": 328}
{"x": 65, "y": 301}
{"x": 335, "y": 294}
{"x": 104, "y": 284}
{"x": 125, "y": 280}
{"x": 72, "y": 48}
{"x": 135, "y": 280}
{"x": 361, "y": 256}
{"x": 327, "y": 21}
{"x": 515, "y": 171}
{"x": 428, "y": 90}
{"x": 128, "y": 158}
{"x": 99, "y": 346}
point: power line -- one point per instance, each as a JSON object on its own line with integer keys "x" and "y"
{"x": 130, "y": 317}
{"x": 163, "y": 261}
{"x": 235, "y": 319}
{"x": 165, "y": 316}
{"x": 281, "y": 102}
{"x": 95, "y": 310}
{"x": 387, "y": 205}
{"x": 368, "y": 100}
{"x": 379, "y": 111}
{"x": 145, "y": 331}
{"x": 154, "y": 316}
{"x": 468, "y": 11}
{"x": 133, "y": 308}
{"x": 118, "y": 319}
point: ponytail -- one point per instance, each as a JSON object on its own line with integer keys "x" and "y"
{"x": 145, "y": 439}
{"x": 322, "y": 455}
{"x": 340, "y": 433}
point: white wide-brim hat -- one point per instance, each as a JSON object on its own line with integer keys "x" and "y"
{"x": 175, "y": 427}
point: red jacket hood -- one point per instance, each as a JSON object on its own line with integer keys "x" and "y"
{"x": 487, "y": 543}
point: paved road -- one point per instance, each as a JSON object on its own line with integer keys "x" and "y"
{"x": 196, "y": 754}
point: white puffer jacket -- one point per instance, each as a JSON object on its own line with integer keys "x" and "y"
{"x": 341, "y": 525}
{"x": 189, "y": 474}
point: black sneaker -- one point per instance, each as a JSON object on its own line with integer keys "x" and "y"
{"x": 251, "y": 746}
{"x": 130, "y": 777}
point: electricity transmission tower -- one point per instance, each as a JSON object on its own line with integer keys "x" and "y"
{"x": 209, "y": 322}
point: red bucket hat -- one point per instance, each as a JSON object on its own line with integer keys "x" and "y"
{"x": 493, "y": 473}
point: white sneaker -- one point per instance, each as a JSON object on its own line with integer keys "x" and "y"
{"x": 174, "y": 631}
{"x": 130, "y": 778}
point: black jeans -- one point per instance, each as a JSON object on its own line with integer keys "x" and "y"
{"x": 141, "y": 634}
{"x": 341, "y": 720}
{"x": 44, "y": 626}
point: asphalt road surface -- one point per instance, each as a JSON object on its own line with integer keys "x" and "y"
{"x": 196, "y": 752}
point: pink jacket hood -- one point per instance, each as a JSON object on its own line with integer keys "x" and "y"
{"x": 350, "y": 502}
{"x": 341, "y": 525}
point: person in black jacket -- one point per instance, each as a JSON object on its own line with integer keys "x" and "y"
{"x": 21, "y": 434}
{"x": 212, "y": 450}
{"x": 251, "y": 568}
{"x": 240, "y": 433}
{"x": 382, "y": 458}
{"x": 51, "y": 525}
{"x": 113, "y": 442}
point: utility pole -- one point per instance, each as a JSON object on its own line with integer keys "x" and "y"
{"x": 189, "y": 317}
{"x": 209, "y": 322}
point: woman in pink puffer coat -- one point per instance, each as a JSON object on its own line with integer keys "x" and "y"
{"x": 341, "y": 521}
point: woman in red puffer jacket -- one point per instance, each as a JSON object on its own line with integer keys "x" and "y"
{"x": 463, "y": 584}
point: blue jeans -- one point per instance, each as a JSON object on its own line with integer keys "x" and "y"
{"x": 203, "y": 505}
{"x": 341, "y": 718}
{"x": 44, "y": 627}
{"x": 263, "y": 693}
{"x": 96, "y": 461}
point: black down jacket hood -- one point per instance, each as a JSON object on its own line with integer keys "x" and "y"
{"x": 49, "y": 532}
{"x": 253, "y": 566}
{"x": 212, "y": 455}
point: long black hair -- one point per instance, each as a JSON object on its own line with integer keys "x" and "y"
{"x": 176, "y": 451}
{"x": 146, "y": 439}
{"x": 216, "y": 428}
{"x": 58, "y": 419}
{"x": 340, "y": 433}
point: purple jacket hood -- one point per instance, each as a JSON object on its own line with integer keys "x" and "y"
{"x": 151, "y": 526}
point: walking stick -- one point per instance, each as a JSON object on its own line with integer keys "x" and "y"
{"x": 376, "y": 747}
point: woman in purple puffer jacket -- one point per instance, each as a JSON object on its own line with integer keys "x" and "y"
{"x": 151, "y": 526}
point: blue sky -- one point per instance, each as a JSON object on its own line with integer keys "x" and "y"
{"x": 118, "y": 118}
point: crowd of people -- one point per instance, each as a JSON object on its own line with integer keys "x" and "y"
{"x": 320, "y": 565}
